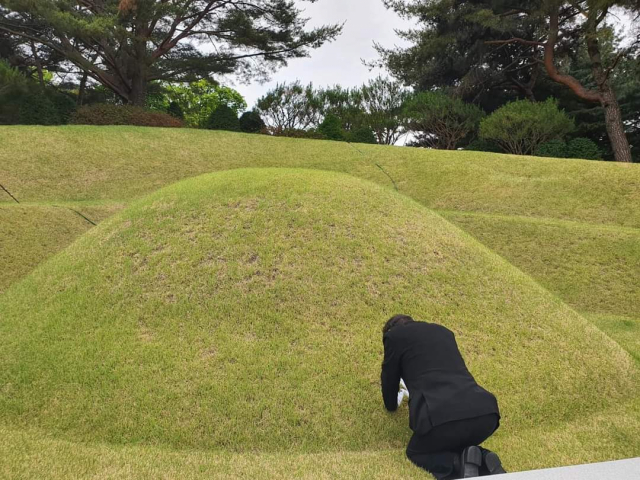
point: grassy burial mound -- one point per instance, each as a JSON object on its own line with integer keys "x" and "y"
{"x": 241, "y": 311}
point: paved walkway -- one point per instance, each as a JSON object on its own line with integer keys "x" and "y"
{"x": 618, "y": 470}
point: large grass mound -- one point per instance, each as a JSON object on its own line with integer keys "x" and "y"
{"x": 241, "y": 311}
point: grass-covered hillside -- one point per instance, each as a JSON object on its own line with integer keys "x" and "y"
{"x": 230, "y": 323}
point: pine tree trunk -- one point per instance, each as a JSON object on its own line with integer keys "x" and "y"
{"x": 612, "y": 115}
{"x": 138, "y": 69}
{"x": 615, "y": 128}
{"x": 138, "y": 96}
{"x": 83, "y": 89}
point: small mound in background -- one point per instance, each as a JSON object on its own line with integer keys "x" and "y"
{"x": 241, "y": 311}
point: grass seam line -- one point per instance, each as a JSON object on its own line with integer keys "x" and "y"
{"x": 377, "y": 165}
{"x": 79, "y": 214}
{"x": 9, "y": 193}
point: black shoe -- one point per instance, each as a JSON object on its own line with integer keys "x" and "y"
{"x": 492, "y": 462}
{"x": 470, "y": 462}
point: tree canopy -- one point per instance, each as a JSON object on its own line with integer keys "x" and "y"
{"x": 126, "y": 44}
{"x": 490, "y": 52}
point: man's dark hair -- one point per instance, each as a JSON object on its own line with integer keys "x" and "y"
{"x": 395, "y": 321}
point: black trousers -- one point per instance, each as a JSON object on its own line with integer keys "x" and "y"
{"x": 436, "y": 451}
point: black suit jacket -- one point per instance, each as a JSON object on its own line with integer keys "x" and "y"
{"x": 441, "y": 389}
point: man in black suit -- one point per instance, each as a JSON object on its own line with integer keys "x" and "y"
{"x": 449, "y": 413}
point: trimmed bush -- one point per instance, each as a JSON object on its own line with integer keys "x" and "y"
{"x": 251, "y": 122}
{"x": 175, "y": 110}
{"x": 23, "y": 101}
{"x": 106, "y": 114}
{"x": 223, "y": 118}
{"x": 521, "y": 127}
{"x": 479, "y": 145}
{"x": 362, "y": 134}
{"x": 583, "y": 148}
{"x": 293, "y": 133}
{"x": 331, "y": 128}
{"x": 440, "y": 121}
{"x": 554, "y": 149}
{"x": 38, "y": 109}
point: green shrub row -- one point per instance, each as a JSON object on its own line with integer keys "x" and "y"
{"x": 576, "y": 148}
{"x": 25, "y": 102}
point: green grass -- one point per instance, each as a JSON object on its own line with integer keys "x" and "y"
{"x": 625, "y": 330}
{"x": 119, "y": 163}
{"x": 29, "y": 234}
{"x": 36, "y": 454}
{"x": 595, "y": 269}
{"x": 123, "y": 319}
{"x": 242, "y": 311}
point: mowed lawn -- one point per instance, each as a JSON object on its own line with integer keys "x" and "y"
{"x": 593, "y": 268}
{"x": 579, "y": 243}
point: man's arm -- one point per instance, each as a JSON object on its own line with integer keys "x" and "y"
{"x": 390, "y": 377}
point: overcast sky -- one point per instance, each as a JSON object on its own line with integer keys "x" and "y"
{"x": 338, "y": 62}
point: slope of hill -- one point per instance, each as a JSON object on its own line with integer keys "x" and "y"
{"x": 226, "y": 307}
{"x": 29, "y": 234}
{"x": 571, "y": 225}
{"x": 120, "y": 163}
{"x": 571, "y": 259}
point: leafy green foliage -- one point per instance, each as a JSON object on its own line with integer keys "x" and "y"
{"x": 197, "y": 100}
{"x": 590, "y": 119}
{"x": 223, "y": 118}
{"x": 447, "y": 50}
{"x": 251, "y": 122}
{"x": 11, "y": 80}
{"x": 311, "y": 133}
{"x": 492, "y": 52}
{"x": 583, "y": 148}
{"x": 331, "y": 128}
{"x": 555, "y": 148}
{"x": 383, "y": 102}
{"x": 362, "y": 134}
{"x": 23, "y": 101}
{"x": 375, "y": 107}
{"x": 520, "y": 127}
{"x": 344, "y": 103}
{"x": 175, "y": 110}
{"x": 479, "y": 145}
{"x": 441, "y": 121}
{"x": 291, "y": 107}
{"x": 106, "y": 114}
{"x": 38, "y": 109}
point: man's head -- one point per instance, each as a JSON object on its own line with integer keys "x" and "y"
{"x": 396, "y": 321}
